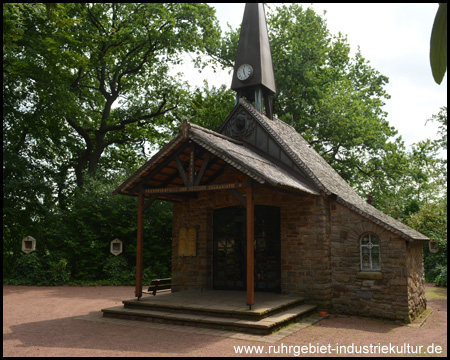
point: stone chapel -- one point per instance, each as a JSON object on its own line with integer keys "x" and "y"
{"x": 257, "y": 209}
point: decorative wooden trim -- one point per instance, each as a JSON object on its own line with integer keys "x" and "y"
{"x": 171, "y": 190}
{"x": 191, "y": 165}
{"x": 202, "y": 169}
{"x": 283, "y": 145}
{"x": 184, "y": 129}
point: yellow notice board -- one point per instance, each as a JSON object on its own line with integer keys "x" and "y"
{"x": 187, "y": 245}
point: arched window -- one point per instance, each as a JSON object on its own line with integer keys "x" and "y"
{"x": 370, "y": 253}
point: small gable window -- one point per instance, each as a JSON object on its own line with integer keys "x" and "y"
{"x": 370, "y": 253}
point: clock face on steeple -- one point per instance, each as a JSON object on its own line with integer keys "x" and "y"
{"x": 244, "y": 72}
{"x": 255, "y": 82}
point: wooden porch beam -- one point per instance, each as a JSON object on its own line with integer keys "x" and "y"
{"x": 171, "y": 178}
{"x": 250, "y": 248}
{"x": 202, "y": 169}
{"x": 139, "y": 246}
{"x": 239, "y": 197}
{"x": 181, "y": 171}
{"x": 159, "y": 167}
{"x": 149, "y": 202}
{"x": 218, "y": 172}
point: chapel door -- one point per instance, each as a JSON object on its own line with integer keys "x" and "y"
{"x": 229, "y": 257}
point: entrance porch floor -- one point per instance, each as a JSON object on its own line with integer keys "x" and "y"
{"x": 220, "y": 301}
{"x": 216, "y": 309}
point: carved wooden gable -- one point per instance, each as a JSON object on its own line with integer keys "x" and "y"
{"x": 247, "y": 125}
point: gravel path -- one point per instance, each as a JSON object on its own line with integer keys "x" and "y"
{"x": 66, "y": 321}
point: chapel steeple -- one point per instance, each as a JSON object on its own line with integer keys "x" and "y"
{"x": 253, "y": 76}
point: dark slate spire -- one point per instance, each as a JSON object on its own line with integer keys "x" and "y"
{"x": 253, "y": 75}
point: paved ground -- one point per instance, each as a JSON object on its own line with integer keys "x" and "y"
{"x": 65, "y": 321}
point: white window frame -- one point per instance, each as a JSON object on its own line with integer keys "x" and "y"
{"x": 370, "y": 246}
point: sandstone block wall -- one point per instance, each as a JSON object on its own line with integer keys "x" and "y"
{"x": 395, "y": 292}
{"x": 416, "y": 280}
{"x": 305, "y": 249}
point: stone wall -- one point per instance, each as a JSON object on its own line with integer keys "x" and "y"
{"x": 416, "y": 280}
{"x": 305, "y": 246}
{"x": 192, "y": 272}
{"x": 387, "y": 293}
{"x": 305, "y": 266}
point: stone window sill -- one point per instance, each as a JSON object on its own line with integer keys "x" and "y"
{"x": 369, "y": 275}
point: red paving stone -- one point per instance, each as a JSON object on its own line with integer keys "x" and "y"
{"x": 61, "y": 321}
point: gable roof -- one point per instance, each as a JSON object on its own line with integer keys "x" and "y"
{"x": 247, "y": 161}
{"x": 229, "y": 152}
{"x": 313, "y": 175}
{"x": 324, "y": 176}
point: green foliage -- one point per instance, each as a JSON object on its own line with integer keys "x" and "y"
{"x": 83, "y": 59}
{"x": 441, "y": 278}
{"x": 27, "y": 269}
{"x": 35, "y": 269}
{"x": 66, "y": 147}
{"x": 431, "y": 221}
{"x": 410, "y": 181}
{"x": 209, "y": 107}
{"x": 157, "y": 270}
{"x": 441, "y": 118}
{"x": 96, "y": 217}
{"x": 438, "y": 44}
{"x": 77, "y": 241}
{"x": 117, "y": 271}
{"x": 333, "y": 100}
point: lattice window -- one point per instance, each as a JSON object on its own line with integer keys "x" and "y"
{"x": 370, "y": 253}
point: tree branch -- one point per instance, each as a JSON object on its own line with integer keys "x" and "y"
{"x": 97, "y": 23}
{"x": 82, "y": 132}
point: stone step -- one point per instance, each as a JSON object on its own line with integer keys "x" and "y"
{"x": 261, "y": 326}
{"x": 216, "y": 310}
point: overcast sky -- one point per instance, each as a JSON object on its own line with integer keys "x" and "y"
{"x": 395, "y": 38}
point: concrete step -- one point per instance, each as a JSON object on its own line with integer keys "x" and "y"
{"x": 217, "y": 310}
{"x": 259, "y": 326}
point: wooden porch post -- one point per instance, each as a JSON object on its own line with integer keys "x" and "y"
{"x": 250, "y": 248}
{"x": 140, "y": 246}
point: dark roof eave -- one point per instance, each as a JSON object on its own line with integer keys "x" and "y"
{"x": 254, "y": 174}
{"x": 164, "y": 150}
{"x": 379, "y": 222}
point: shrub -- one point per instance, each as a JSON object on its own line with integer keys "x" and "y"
{"x": 57, "y": 271}
{"x": 441, "y": 278}
{"x": 35, "y": 269}
{"x": 431, "y": 221}
{"x": 73, "y": 243}
{"x": 27, "y": 269}
{"x": 118, "y": 271}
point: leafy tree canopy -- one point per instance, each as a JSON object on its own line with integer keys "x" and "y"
{"x": 85, "y": 80}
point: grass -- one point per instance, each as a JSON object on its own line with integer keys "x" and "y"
{"x": 434, "y": 292}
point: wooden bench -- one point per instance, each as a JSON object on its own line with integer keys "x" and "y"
{"x": 158, "y": 285}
